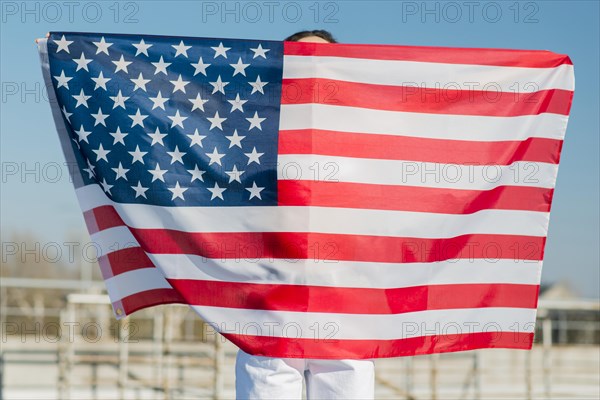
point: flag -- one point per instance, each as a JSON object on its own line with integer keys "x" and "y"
{"x": 316, "y": 200}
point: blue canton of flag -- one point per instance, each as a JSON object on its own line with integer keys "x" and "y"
{"x": 172, "y": 122}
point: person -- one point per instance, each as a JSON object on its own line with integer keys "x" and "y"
{"x": 259, "y": 377}
{"x": 316, "y": 36}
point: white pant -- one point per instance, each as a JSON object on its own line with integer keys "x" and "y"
{"x": 258, "y": 377}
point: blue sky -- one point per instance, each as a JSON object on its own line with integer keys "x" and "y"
{"x": 32, "y": 162}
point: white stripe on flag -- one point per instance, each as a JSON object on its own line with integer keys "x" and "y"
{"x": 113, "y": 239}
{"x": 415, "y": 173}
{"x": 430, "y": 75}
{"x": 363, "y": 326}
{"x": 434, "y": 126}
{"x": 135, "y": 281}
{"x": 348, "y": 274}
{"x": 348, "y": 221}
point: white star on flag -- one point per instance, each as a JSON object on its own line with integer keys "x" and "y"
{"x": 218, "y": 85}
{"x": 121, "y": 65}
{"x": 216, "y": 121}
{"x": 258, "y": 85}
{"x": 120, "y": 171}
{"x": 101, "y": 81}
{"x": 90, "y": 172}
{"x": 177, "y": 119}
{"x": 255, "y": 191}
{"x": 234, "y": 174}
{"x": 177, "y": 191}
{"x": 102, "y": 46}
{"x": 101, "y": 153}
{"x": 140, "y": 190}
{"x": 216, "y": 192}
{"x": 200, "y": 67}
{"x": 157, "y": 137}
{"x": 137, "y": 155}
{"x": 119, "y": 100}
{"x": 239, "y": 68}
{"x": 196, "y": 138}
{"x": 63, "y": 44}
{"x": 105, "y": 186}
{"x": 158, "y": 101}
{"x": 62, "y": 80}
{"x": 140, "y": 82}
{"x": 181, "y": 49}
{"x": 138, "y": 119}
{"x": 176, "y": 155}
{"x": 81, "y": 99}
{"x": 215, "y": 156}
{"x": 237, "y": 103}
{"x": 221, "y": 50}
{"x": 235, "y": 139}
{"x": 82, "y": 62}
{"x": 196, "y": 174}
{"x": 83, "y": 134}
{"x": 255, "y": 121}
{"x": 90, "y": 169}
{"x": 100, "y": 118}
{"x": 142, "y": 48}
{"x": 260, "y": 52}
{"x": 157, "y": 173}
{"x": 66, "y": 114}
{"x": 198, "y": 103}
{"x": 179, "y": 84}
{"x": 161, "y": 66}
{"x": 118, "y": 136}
{"x": 254, "y": 156}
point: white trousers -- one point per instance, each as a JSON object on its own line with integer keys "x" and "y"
{"x": 258, "y": 377}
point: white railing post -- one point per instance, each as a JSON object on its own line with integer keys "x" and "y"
{"x": 547, "y": 345}
{"x": 219, "y": 363}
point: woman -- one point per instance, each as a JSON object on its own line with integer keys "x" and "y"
{"x": 258, "y": 377}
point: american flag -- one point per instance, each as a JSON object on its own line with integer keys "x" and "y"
{"x": 316, "y": 200}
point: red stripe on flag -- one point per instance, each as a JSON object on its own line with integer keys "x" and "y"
{"x": 445, "y": 55}
{"x": 325, "y": 299}
{"x": 411, "y": 198}
{"x": 151, "y": 298}
{"x": 105, "y": 217}
{"x": 128, "y": 259}
{"x": 331, "y": 348}
{"x": 90, "y": 221}
{"x": 425, "y": 100}
{"x": 301, "y": 245}
{"x": 391, "y": 147}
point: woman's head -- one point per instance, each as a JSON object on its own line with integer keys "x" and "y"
{"x": 316, "y": 36}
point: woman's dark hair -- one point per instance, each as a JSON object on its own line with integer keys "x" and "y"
{"x": 323, "y": 34}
